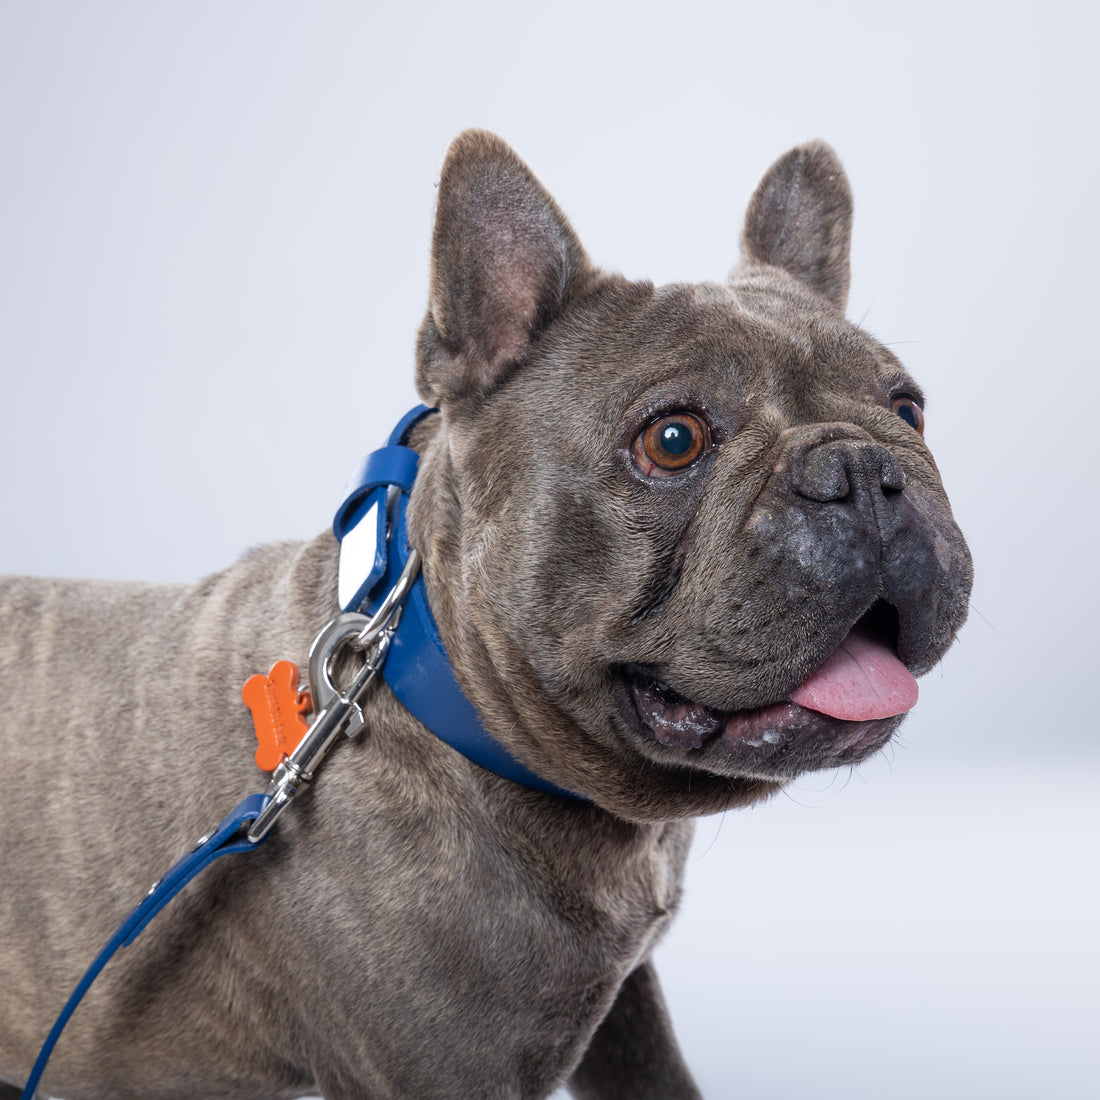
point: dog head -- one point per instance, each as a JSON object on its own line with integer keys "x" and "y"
{"x": 686, "y": 542}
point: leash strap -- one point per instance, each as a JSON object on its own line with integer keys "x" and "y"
{"x": 225, "y": 840}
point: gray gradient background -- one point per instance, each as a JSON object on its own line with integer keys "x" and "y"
{"x": 214, "y": 227}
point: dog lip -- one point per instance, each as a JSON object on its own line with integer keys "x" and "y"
{"x": 779, "y": 739}
{"x": 656, "y": 710}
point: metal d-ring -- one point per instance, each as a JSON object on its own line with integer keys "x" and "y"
{"x": 391, "y": 605}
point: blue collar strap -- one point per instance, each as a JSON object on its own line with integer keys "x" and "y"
{"x": 371, "y": 527}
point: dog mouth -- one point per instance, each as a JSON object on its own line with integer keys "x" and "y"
{"x": 842, "y": 712}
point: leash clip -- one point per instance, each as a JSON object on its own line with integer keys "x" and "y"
{"x": 337, "y": 709}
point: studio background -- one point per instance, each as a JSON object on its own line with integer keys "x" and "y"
{"x": 214, "y": 233}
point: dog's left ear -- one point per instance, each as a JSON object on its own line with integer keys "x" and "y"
{"x": 800, "y": 219}
{"x": 504, "y": 263}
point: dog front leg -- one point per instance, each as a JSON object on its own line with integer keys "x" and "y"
{"x": 634, "y": 1055}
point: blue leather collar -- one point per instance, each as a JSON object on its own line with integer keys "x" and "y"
{"x": 417, "y": 669}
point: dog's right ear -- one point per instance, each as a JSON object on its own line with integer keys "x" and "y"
{"x": 504, "y": 263}
{"x": 800, "y": 219}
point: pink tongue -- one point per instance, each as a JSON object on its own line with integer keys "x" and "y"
{"x": 861, "y": 681}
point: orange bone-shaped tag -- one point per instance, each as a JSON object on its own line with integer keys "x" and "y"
{"x": 278, "y": 712}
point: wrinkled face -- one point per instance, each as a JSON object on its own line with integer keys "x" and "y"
{"x": 683, "y": 515}
{"x": 686, "y": 543}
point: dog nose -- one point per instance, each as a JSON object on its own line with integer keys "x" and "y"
{"x": 848, "y": 471}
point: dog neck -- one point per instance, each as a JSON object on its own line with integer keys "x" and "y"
{"x": 374, "y": 551}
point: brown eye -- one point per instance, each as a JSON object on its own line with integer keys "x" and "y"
{"x": 670, "y": 444}
{"x": 910, "y": 412}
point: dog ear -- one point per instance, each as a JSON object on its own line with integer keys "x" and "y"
{"x": 800, "y": 219}
{"x": 504, "y": 263}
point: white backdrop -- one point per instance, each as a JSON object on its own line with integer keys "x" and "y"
{"x": 214, "y": 227}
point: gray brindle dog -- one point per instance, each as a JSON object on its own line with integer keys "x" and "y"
{"x": 682, "y": 544}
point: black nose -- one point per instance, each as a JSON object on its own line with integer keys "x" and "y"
{"x": 845, "y": 470}
{"x": 853, "y": 472}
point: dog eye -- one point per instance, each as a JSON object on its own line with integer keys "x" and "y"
{"x": 910, "y": 412}
{"x": 670, "y": 444}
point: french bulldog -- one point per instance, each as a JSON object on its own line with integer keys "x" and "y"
{"x": 681, "y": 544}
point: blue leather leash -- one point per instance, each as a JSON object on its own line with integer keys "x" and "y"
{"x": 225, "y": 840}
{"x": 384, "y": 600}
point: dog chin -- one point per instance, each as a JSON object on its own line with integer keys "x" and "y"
{"x": 778, "y": 741}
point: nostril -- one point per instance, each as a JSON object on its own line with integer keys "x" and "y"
{"x": 822, "y": 476}
{"x": 891, "y": 475}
